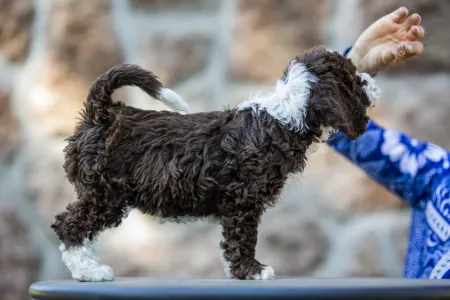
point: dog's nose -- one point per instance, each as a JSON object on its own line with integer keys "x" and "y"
{"x": 353, "y": 135}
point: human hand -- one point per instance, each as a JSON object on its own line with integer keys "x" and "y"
{"x": 390, "y": 40}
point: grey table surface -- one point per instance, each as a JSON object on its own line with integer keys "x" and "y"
{"x": 283, "y": 288}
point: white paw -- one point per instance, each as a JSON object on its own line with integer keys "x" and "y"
{"x": 105, "y": 273}
{"x": 227, "y": 271}
{"x": 226, "y": 265}
{"x": 267, "y": 273}
{"x": 96, "y": 274}
{"x": 84, "y": 264}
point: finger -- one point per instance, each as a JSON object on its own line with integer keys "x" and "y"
{"x": 416, "y": 33}
{"x": 400, "y": 14}
{"x": 414, "y": 49}
{"x": 406, "y": 51}
{"x": 400, "y": 51}
{"x": 414, "y": 19}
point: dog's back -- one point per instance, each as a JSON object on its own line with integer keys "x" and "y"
{"x": 139, "y": 154}
{"x": 88, "y": 149}
{"x": 160, "y": 154}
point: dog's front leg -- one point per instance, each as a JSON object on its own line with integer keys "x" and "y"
{"x": 240, "y": 231}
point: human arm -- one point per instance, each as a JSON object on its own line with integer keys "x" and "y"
{"x": 400, "y": 163}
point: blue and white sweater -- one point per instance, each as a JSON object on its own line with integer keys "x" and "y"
{"x": 419, "y": 173}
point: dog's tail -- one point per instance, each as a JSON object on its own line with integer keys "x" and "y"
{"x": 129, "y": 75}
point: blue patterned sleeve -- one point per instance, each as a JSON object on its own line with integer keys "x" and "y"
{"x": 400, "y": 163}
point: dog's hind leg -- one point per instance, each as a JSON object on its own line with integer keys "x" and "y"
{"x": 77, "y": 229}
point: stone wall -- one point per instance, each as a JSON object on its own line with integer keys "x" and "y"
{"x": 332, "y": 221}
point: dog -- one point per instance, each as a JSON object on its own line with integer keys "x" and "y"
{"x": 228, "y": 165}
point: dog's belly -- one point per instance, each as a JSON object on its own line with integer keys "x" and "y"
{"x": 205, "y": 211}
{"x": 189, "y": 219}
{"x": 180, "y": 210}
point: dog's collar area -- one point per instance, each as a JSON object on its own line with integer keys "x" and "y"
{"x": 289, "y": 100}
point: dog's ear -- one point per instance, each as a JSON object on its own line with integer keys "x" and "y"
{"x": 333, "y": 105}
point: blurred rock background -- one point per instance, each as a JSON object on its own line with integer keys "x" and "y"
{"x": 332, "y": 221}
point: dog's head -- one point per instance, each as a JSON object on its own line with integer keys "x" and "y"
{"x": 320, "y": 92}
{"x": 329, "y": 92}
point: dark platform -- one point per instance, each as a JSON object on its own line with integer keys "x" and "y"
{"x": 292, "y": 288}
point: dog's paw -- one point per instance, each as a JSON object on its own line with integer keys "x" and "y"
{"x": 105, "y": 273}
{"x": 227, "y": 271}
{"x": 95, "y": 274}
{"x": 266, "y": 273}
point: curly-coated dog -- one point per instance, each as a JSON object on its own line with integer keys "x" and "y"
{"x": 229, "y": 165}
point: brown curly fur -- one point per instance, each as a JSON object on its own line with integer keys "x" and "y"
{"x": 227, "y": 164}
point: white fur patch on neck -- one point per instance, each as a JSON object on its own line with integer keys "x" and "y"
{"x": 325, "y": 136}
{"x": 327, "y": 132}
{"x": 289, "y": 101}
{"x": 371, "y": 89}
